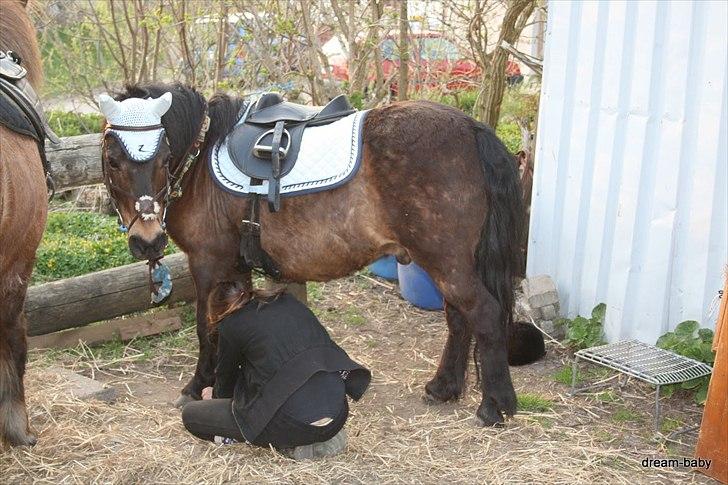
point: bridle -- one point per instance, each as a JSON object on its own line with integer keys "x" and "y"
{"x": 146, "y": 206}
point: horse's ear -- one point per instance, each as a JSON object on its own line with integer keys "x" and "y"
{"x": 162, "y": 103}
{"x": 108, "y": 105}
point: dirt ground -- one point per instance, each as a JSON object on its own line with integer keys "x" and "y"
{"x": 394, "y": 436}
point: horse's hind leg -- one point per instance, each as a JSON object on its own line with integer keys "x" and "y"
{"x": 14, "y": 427}
{"x": 449, "y": 380}
{"x": 464, "y": 291}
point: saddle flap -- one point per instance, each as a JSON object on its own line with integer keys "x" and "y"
{"x": 242, "y": 142}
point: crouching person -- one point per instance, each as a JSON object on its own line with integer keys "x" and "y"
{"x": 280, "y": 380}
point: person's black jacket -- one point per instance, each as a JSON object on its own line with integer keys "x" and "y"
{"x": 266, "y": 351}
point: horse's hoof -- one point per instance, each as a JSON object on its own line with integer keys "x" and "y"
{"x": 428, "y": 398}
{"x": 22, "y": 439}
{"x": 488, "y": 415}
{"x": 182, "y": 400}
{"x": 437, "y": 393}
{"x": 479, "y": 423}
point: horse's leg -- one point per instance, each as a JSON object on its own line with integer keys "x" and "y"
{"x": 23, "y": 212}
{"x": 450, "y": 377}
{"x": 463, "y": 290}
{"x": 14, "y": 427}
{"x": 207, "y": 272}
{"x": 205, "y": 370}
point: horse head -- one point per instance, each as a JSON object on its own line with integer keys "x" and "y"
{"x": 136, "y": 164}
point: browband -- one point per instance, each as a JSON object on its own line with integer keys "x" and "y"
{"x": 133, "y": 128}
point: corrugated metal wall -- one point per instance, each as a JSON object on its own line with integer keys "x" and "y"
{"x": 630, "y": 205}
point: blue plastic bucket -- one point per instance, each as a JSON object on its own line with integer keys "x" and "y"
{"x": 385, "y": 267}
{"x": 417, "y": 287}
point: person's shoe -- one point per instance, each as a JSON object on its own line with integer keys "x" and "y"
{"x": 332, "y": 447}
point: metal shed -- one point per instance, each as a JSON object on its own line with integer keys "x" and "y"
{"x": 630, "y": 200}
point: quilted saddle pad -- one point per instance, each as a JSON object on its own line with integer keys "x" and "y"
{"x": 329, "y": 157}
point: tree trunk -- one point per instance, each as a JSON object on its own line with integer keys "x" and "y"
{"x": 494, "y": 80}
{"x": 403, "y": 83}
{"x": 221, "y": 44}
{"x": 376, "y": 22}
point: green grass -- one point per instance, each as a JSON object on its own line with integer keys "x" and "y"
{"x": 315, "y": 291}
{"x": 607, "y": 396}
{"x": 352, "y": 317}
{"x": 545, "y": 422}
{"x": 534, "y": 403}
{"x": 76, "y": 243}
{"x": 669, "y": 425}
{"x": 624, "y": 415}
{"x": 603, "y": 436}
{"x": 563, "y": 375}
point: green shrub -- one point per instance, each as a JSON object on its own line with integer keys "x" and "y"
{"x": 520, "y": 103}
{"x": 77, "y": 243}
{"x": 71, "y": 124}
{"x": 694, "y": 342}
{"x": 510, "y": 135}
{"x": 581, "y": 332}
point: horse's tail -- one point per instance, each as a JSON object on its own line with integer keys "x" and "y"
{"x": 498, "y": 256}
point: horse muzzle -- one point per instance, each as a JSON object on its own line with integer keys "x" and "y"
{"x": 143, "y": 249}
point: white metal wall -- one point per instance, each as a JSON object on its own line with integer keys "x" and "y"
{"x": 630, "y": 205}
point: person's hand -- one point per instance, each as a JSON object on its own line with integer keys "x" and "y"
{"x": 207, "y": 393}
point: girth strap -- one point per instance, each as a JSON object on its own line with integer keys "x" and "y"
{"x": 252, "y": 255}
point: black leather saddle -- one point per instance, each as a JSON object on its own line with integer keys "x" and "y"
{"x": 20, "y": 108}
{"x": 265, "y": 146}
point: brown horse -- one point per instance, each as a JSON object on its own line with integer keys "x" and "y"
{"x": 23, "y": 211}
{"x": 435, "y": 187}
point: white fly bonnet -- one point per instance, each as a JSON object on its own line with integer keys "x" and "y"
{"x": 128, "y": 119}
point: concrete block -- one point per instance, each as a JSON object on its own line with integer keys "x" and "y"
{"x": 541, "y": 291}
{"x": 82, "y": 387}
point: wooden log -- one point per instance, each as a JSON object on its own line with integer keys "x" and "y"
{"x": 75, "y": 302}
{"x": 76, "y": 162}
{"x": 123, "y": 328}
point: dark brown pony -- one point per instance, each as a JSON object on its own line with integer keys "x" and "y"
{"x": 435, "y": 187}
{"x": 23, "y": 211}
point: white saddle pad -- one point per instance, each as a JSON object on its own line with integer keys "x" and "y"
{"x": 329, "y": 156}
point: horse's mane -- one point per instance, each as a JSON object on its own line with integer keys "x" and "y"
{"x": 17, "y": 34}
{"x": 183, "y": 119}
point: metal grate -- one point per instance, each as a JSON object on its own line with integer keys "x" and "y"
{"x": 646, "y": 362}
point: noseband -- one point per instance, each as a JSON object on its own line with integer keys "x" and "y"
{"x": 147, "y": 207}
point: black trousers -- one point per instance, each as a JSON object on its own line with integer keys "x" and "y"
{"x": 214, "y": 417}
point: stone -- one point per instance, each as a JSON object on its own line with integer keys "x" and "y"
{"x": 548, "y": 312}
{"x": 541, "y": 291}
{"x": 81, "y": 387}
{"x": 555, "y": 331}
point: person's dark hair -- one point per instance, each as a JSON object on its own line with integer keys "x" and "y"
{"x": 229, "y": 296}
